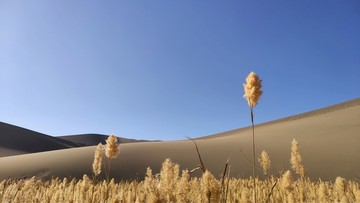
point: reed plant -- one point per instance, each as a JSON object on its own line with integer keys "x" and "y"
{"x": 252, "y": 93}
{"x": 111, "y": 151}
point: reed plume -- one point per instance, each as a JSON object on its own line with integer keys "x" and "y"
{"x": 169, "y": 177}
{"x": 150, "y": 187}
{"x": 111, "y": 151}
{"x": 112, "y": 147}
{"x": 252, "y": 89}
{"x": 183, "y": 187}
{"x": 97, "y": 160}
{"x": 265, "y": 162}
{"x": 286, "y": 181}
{"x": 210, "y": 187}
{"x": 296, "y": 160}
{"x": 340, "y": 186}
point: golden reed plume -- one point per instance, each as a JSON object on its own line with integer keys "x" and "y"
{"x": 97, "y": 160}
{"x": 296, "y": 160}
{"x": 265, "y": 162}
{"x": 112, "y": 147}
{"x": 252, "y": 89}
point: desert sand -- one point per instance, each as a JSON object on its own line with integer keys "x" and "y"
{"x": 15, "y": 140}
{"x": 329, "y": 141}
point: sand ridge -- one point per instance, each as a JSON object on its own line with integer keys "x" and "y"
{"x": 329, "y": 144}
{"x": 16, "y": 140}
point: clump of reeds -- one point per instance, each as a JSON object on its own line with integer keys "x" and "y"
{"x": 296, "y": 160}
{"x": 252, "y": 89}
{"x": 111, "y": 151}
{"x": 183, "y": 189}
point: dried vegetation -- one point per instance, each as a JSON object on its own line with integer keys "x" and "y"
{"x": 171, "y": 185}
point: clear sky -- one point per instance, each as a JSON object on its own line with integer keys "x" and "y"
{"x": 168, "y": 69}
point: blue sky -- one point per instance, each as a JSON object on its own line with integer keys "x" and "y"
{"x": 170, "y": 69}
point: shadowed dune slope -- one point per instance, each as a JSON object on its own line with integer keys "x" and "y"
{"x": 329, "y": 144}
{"x": 16, "y": 140}
{"x": 94, "y": 139}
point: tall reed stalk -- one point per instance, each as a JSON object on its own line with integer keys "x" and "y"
{"x": 111, "y": 151}
{"x": 252, "y": 89}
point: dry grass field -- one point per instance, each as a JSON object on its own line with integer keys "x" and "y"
{"x": 171, "y": 185}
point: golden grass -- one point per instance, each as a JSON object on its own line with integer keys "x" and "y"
{"x": 172, "y": 186}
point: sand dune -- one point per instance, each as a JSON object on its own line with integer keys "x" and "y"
{"x": 16, "y": 140}
{"x": 94, "y": 139}
{"x": 329, "y": 144}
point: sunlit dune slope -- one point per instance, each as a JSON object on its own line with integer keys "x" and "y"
{"x": 329, "y": 144}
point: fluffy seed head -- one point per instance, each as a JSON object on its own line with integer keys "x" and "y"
{"x": 97, "y": 159}
{"x": 210, "y": 187}
{"x": 112, "y": 147}
{"x": 252, "y": 89}
{"x": 169, "y": 176}
{"x": 183, "y": 187}
{"x": 296, "y": 160}
{"x": 265, "y": 162}
{"x": 340, "y": 185}
{"x": 286, "y": 181}
{"x": 322, "y": 191}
